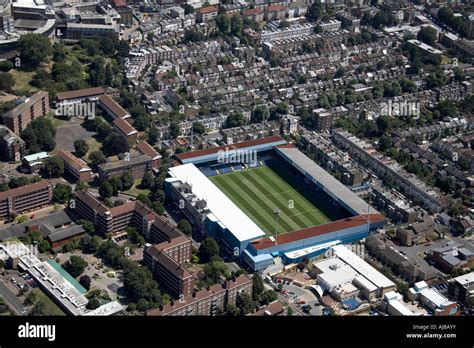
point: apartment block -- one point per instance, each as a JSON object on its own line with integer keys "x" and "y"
{"x": 116, "y": 219}
{"x": 207, "y": 301}
{"x": 113, "y": 108}
{"x": 25, "y": 198}
{"x": 12, "y": 147}
{"x": 205, "y": 14}
{"x": 166, "y": 259}
{"x": 136, "y": 164}
{"x": 32, "y": 108}
{"x": 76, "y": 167}
{"x": 126, "y": 130}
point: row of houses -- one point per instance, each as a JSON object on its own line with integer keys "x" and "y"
{"x": 386, "y": 168}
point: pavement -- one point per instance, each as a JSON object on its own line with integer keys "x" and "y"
{"x": 12, "y": 301}
{"x": 296, "y": 293}
{"x": 71, "y": 131}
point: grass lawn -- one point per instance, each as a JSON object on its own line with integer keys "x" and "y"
{"x": 22, "y": 80}
{"x": 135, "y": 191}
{"x": 259, "y": 191}
{"x": 50, "y": 307}
{"x": 94, "y": 145}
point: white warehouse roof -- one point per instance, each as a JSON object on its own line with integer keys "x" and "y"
{"x": 362, "y": 267}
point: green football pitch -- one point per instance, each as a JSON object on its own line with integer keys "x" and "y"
{"x": 258, "y": 192}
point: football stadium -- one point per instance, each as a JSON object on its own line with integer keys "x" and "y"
{"x": 266, "y": 202}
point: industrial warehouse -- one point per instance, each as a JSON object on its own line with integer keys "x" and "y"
{"x": 269, "y": 231}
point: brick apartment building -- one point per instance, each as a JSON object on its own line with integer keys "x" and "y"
{"x": 207, "y": 301}
{"x": 32, "y": 108}
{"x": 137, "y": 164}
{"x": 12, "y": 147}
{"x": 79, "y": 96}
{"x": 165, "y": 261}
{"x": 25, "y": 198}
{"x": 116, "y": 219}
{"x": 205, "y": 14}
{"x": 77, "y": 168}
{"x": 146, "y": 149}
{"x": 113, "y": 108}
{"x": 126, "y": 130}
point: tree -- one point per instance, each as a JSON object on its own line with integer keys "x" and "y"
{"x": 174, "y": 129}
{"x": 428, "y": 35}
{"x": 81, "y": 148}
{"x": 90, "y": 245}
{"x": 208, "y": 249}
{"x": 54, "y": 166}
{"x": 236, "y": 25}
{"x": 62, "y": 193}
{"x": 115, "y": 144}
{"x": 93, "y": 303}
{"x": 282, "y": 108}
{"x": 127, "y": 181}
{"x": 260, "y": 113}
{"x": 153, "y": 135}
{"x": 232, "y": 310}
{"x": 116, "y": 183}
{"x": 106, "y": 190}
{"x": 75, "y": 266}
{"x": 85, "y": 281}
{"x": 158, "y": 208}
{"x": 185, "y": 227}
{"x": 34, "y": 49}
{"x": 314, "y": 11}
{"x": 245, "y": 303}
{"x": 6, "y": 82}
{"x": 96, "y": 158}
{"x": 44, "y": 246}
{"x": 6, "y": 65}
{"x": 148, "y": 180}
{"x": 188, "y": 9}
{"x": 222, "y": 23}
{"x": 199, "y": 128}
{"x": 257, "y": 286}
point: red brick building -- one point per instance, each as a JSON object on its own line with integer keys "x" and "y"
{"x": 77, "y": 168}
{"x": 207, "y": 301}
{"x": 32, "y": 108}
{"x": 25, "y": 198}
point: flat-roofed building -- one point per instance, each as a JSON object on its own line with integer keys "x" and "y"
{"x": 207, "y": 301}
{"x": 136, "y": 165}
{"x": 462, "y": 288}
{"x": 116, "y": 219}
{"x": 76, "y": 167}
{"x": 25, "y": 198}
{"x": 169, "y": 272}
{"x": 76, "y": 31}
{"x": 12, "y": 147}
{"x": 32, "y": 108}
{"x": 432, "y": 300}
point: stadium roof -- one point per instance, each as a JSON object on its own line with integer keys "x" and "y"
{"x": 187, "y": 155}
{"x": 314, "y": 231}
{"x": 362, "y": 267}
{"x": 331, "y": 185}
{"x": 234, "y": 219}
